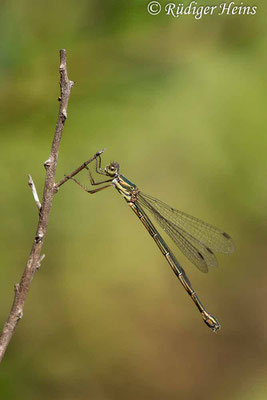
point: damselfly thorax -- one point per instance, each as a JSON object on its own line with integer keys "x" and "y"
{"x": 126, "y": 188}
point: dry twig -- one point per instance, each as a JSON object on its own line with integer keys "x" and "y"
{"x": 34, "y": 260}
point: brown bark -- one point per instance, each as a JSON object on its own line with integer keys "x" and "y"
{"x": 35, "y": 258}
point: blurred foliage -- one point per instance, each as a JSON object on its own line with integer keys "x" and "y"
{"x": 181, "y": 104}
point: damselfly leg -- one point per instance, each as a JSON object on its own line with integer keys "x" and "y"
{"x": 98, "y": 168}
{"x": 90, "y": 191}
{"x": 93, "y": 182}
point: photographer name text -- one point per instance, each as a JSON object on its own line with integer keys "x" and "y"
{"x": 198, "y": 11}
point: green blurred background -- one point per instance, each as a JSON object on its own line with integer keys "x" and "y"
{"x": 181, "y": 104}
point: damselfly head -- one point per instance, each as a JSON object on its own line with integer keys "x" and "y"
{"x": 112, "y": 169}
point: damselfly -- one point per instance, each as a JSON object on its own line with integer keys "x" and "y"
{"x": 195, "y": 238}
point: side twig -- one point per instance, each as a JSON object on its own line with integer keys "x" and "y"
{"x": 34, "y": 192}
{"x": 79, "y": 169}
{"x": 34, "y": 260}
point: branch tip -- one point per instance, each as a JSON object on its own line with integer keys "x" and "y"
{"x": 100, "y": 152}
{"x": 34, "y": 192}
